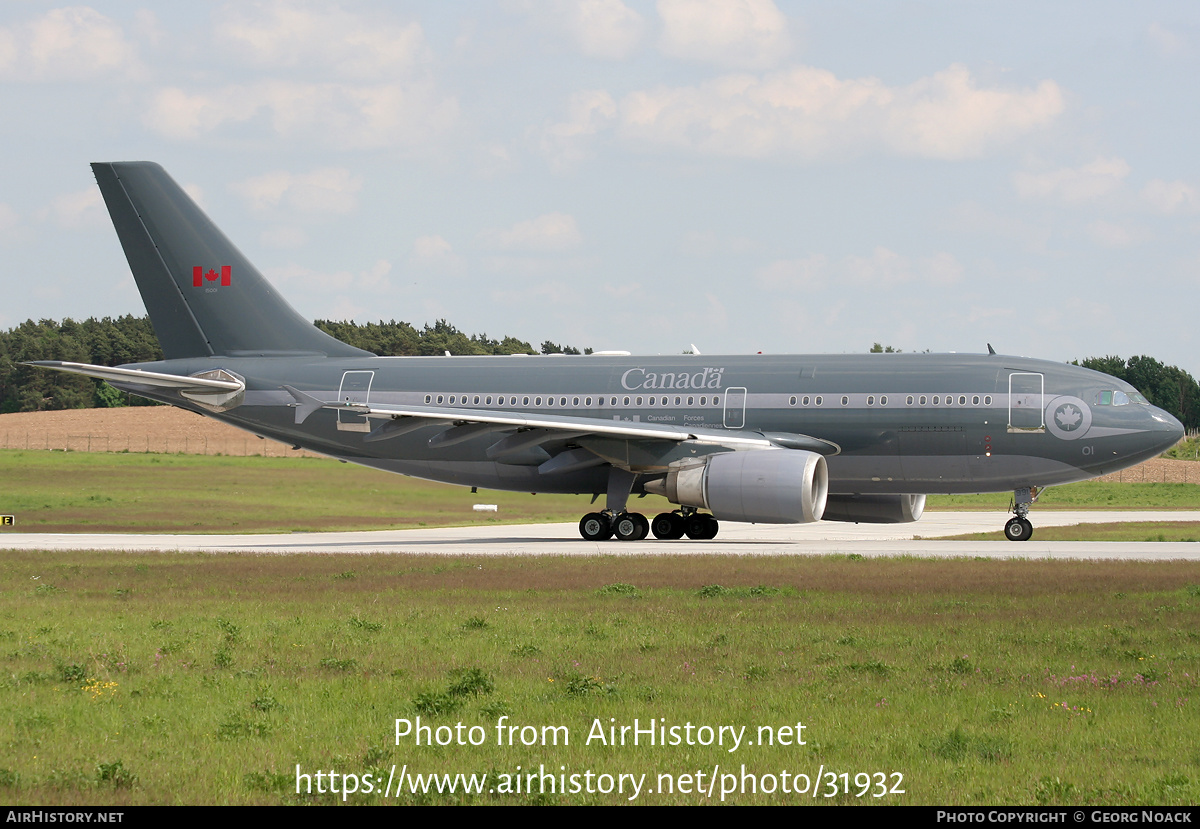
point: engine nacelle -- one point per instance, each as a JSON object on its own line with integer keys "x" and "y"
{"x": 767, "y": 486}
{"x": 875, "y": 509}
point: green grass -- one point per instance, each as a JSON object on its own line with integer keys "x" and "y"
{"x": 1123, "y": 531}
{"x": 99, "y": 492}
{"x": 1087, "y": 495}
{"x": 169, "y": 678}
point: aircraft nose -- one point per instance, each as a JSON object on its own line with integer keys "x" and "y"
{"x": 1167, "y": 429}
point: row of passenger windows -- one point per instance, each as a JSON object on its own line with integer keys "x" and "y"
{"x": 910, "y": 400}
{"x": 679, "y": 400}
{"x": 561, "y": 402}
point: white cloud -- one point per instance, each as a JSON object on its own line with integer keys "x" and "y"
{"x": 75, "y": 43}
{"x": 287, "y": 35}
{"x": 1166, "y": 41}
{"x": 84, "y": 208}
{"x": 10, "y": 222}
{"x": 810, "y": 113}
{"x": 327, "y": 190}
{"x": 588, "y": 112}
{"x": 1170, "y": 196}
{"x": 284, "y": 236}
{"x": 346, "y": 116}
{"x": 1110, "y": 235}
{"x": 743, "y": 33}
{"x": 606, "y": 29}
{"x": 550, "y": 232}
{"x": 373, "y": 279}
{"x": 882, "y": 269}
{"x": 1074, "y": 185}
{"x": 435, "y": 253}
{"x": 603, "y": 28}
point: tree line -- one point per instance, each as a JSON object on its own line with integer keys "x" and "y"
{"x": 1168, "y": 387}
{"x": 130, "y": 339}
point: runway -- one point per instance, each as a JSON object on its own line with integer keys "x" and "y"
{"x": 822, "y": 538}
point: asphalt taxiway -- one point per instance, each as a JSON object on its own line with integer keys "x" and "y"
{"x": 735, "y": 539}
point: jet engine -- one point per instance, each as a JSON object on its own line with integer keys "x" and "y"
{"x": 767, "y": 486}
{"x": 875, "y": 509}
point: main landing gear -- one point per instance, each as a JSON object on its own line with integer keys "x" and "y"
{"x": 614, "y": 519}
{"x": 1019, "y": 527}
{"x": 632, "y": 526}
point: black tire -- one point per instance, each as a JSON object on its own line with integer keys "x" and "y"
{"x": 626, "y": 526}
{"x": 595, "y": 527}
{"x": 1018, "y": 529}
{"x": 643, "y": 526}
{"x": 701, "y": 527}
{"x": 667, "y": 525}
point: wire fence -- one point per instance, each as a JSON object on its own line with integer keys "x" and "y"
{"x": 236, "y": 445}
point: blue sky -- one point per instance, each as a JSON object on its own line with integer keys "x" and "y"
{"x": 744, "y": 175}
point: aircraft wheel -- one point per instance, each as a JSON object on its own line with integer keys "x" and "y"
{"x": 1018, "y": 529}
{"x": 668, "y": 525}
{"x": 643, "y": 526}
{"x": 701, "y": 527}
{"x": 631, "y": 527}
{"x": 595, "y": 527}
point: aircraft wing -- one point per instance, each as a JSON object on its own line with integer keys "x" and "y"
{"x": 466, "y": 423}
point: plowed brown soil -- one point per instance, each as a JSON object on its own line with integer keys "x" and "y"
{"x": 133, "y": 429}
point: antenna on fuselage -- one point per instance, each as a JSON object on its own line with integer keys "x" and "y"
{"x": 991, "y": 350}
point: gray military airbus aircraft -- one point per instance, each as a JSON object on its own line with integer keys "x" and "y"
{"x": 764, "y": 439}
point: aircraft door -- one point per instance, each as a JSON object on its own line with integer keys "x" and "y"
{"x": 1025, "y": 392}
{"x": 355, "y": 388}
{"x": 735, "y": 408}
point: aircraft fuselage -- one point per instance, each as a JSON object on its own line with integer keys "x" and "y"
{"x": 903, "y": 423}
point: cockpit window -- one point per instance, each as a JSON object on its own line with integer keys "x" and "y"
{"x": 1119, "y": 398}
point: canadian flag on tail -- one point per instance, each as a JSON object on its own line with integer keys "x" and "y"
{"x": 200, "y": 276}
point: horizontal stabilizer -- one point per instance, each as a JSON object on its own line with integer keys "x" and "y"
{"x": 180, "y": 383}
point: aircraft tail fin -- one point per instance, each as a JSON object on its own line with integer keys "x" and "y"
{"x": 203, "y": 296}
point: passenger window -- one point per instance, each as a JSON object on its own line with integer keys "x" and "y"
{"x": 818, "y": 400}
{"x": 440, "y": 398}
{"x": 793, "y": 401}
{"x": 428, "y": 398}
{"x": 806, "y": 401}
{"x": 937, "y": 398}
{"x": 910, "y": 400}
{"x": 987, "y": 401}
{"x": 923, "y": 399}
{"x": 691, "y": 401}
{"x": 845, "y": 400}
{"x": 883, "y": 400}
{"x": 975, "y": 400}
{"x": 962, "y": 400}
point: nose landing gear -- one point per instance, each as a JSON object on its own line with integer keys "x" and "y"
{"x": 1019, "y": 528}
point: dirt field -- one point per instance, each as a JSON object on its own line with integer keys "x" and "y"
{"x": 170, "y": 430}
{"x": 134, "y": 429}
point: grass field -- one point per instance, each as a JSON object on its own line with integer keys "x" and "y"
{"x": 169, "y": 678}
{"x": 85, "y": 492}
{"x": 1123, "y": 531}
